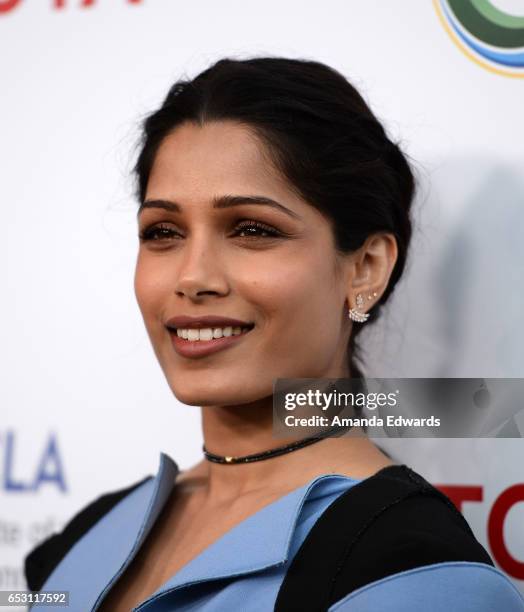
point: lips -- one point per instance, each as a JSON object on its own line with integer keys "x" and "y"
{"x": 201, "y": 322}
{"x": 202, "y": 348}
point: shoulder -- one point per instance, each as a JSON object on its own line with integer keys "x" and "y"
{"x": 419, "y": 529}
{"x": 385, "y": 528}
{"x": 415, "y": 549}
{"x": 41, "y": 560}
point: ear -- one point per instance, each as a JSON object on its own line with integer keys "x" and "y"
{"x": 370, "y": 269}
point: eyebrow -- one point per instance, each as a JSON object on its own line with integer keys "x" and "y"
{"x": 225, "y": 201}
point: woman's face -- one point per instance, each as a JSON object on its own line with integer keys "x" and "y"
{"x": 283, "y": 277}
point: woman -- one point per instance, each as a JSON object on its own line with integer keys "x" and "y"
{"x": 272, "y": 206}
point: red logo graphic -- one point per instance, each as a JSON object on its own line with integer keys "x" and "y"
{"x": 501, "y": 506}
{"x": 8, "y": 5}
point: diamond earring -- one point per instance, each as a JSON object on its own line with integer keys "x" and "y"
{"x": 354, "y": 314}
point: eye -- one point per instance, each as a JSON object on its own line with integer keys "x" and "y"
{"x": 256, "y": 229}
{"x": 157, "y": 233}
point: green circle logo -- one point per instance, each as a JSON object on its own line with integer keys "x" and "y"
{"x": 488, "y": 36}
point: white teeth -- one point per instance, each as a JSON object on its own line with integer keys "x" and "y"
{"x": 206, "y": 334}
{"x": 209, "y": 333}
{"x": 193, "y": 334}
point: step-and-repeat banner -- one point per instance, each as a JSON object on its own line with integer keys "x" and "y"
{"x": 84, "y": 405}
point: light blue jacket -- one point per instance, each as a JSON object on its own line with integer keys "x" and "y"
{"x": 242, "y": 571}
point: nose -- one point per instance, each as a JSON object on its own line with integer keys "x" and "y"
{"x": 201, "y": 270}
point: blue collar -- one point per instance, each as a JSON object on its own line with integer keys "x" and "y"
{"x": 263, "y": 540}
{"x": 265, "y": 536}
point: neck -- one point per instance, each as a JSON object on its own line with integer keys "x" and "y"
{"x": 244, "y": 430}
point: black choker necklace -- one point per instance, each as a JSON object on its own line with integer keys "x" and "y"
{"x": 275, "y": 452}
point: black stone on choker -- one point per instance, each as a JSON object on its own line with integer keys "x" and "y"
{"x": 275, "y": 452}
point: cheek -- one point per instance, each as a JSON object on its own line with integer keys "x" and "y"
{"x": 275, "y": 290}
{"x": 311, "y": 323}
{"x": 294, "y": 295}
{"x": 151, "y": 287}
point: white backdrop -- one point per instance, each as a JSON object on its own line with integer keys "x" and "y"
{"x": 76, "y": 361}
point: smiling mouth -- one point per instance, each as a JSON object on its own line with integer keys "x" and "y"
{"x": 208, "y": 334}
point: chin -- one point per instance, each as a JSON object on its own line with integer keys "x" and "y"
{"x": 201, "y": 393}
{"x": 210, "y": 395}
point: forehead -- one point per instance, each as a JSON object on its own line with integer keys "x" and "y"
{"x": 199, "y": 161}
